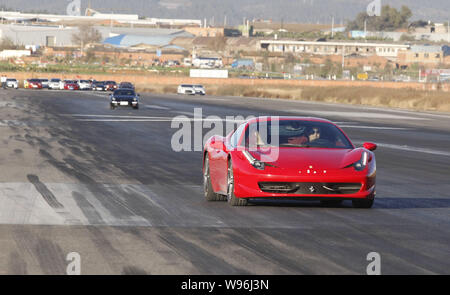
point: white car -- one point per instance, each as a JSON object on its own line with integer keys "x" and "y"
{"x": 186, "y": 89}
{"x": 44, "y": 83}
{"x": 56, "y": 84}
{"x": 12, "y": 83}
{"x": 85, "y": 84}
{"x": 199, "y": 89}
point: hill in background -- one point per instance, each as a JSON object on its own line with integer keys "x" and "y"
{"x": 302, "y": 11}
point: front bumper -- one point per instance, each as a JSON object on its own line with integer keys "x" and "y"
{"x": 289, "y": 183}
{"x": 124, "y": 103}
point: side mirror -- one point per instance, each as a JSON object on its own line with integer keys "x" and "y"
{"x": 370, "y": 146}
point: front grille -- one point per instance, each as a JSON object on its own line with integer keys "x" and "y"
{"x": 309, "y": 188}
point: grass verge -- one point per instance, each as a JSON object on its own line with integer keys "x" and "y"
{"x": 419, "y": 100}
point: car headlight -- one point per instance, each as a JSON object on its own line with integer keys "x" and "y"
{"x": 362, "y": 163}
{"x": 255, "y": 163}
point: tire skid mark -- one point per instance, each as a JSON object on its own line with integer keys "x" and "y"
{"x": 110, "y": 200}
{"x": 254, "y": 243}
{"x": 39, "y": 252}
{"x": 89, "y": 211}
{"x": 203, "y": 260}
{"x": 51, "y": 200}
{"x": 48, "y": 196}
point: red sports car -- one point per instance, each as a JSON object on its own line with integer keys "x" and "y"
{"x": 110, "y": 85}
{"x": 33, "y": 84}
{"x": 289, "y": 157}
{"x": 71, "y": 85}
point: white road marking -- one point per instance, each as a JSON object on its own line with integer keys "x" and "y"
{"x": 114, "y": 118}
{"x": 373, "y": 127}
{"x": 409, "y": 148}
{"x": 369, "y": 115}
{"x": 155, "y": 120}
{"x": 125, "y": 120}
{"x": 183, "y": 113}
{"x": 156, "y": 107}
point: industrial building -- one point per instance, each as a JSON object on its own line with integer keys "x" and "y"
{"x": 61, "y": 36}
{"x": 93, "y": 15}
{"x": 329, "y": 48}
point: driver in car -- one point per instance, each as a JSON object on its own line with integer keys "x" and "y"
{"x": 312, "y": 135}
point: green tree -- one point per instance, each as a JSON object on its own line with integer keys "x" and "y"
{"x": 390, "y": 19}
{"x": 7, "y": 43}
{"x": 87, "y": 34}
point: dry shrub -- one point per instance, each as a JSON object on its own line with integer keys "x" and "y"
{"x": 170, "y": 89}
{"x": 372, "y": 96}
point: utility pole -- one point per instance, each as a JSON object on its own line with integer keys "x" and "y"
{"x": 343, "y": 57}
{"x": 365, "y": 29}
{"x": 332, "y": 27}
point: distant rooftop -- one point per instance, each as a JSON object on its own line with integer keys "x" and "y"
{"x": 426, "y": 48}
{"x": 125, "y": 40}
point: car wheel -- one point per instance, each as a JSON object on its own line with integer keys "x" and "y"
{"x": 112, "y": 107}
{"x": 364, "y": 203}
{"x": 136, "y": 107}
{"x": 231, "y": 198}
{"x": 210, "y": 195}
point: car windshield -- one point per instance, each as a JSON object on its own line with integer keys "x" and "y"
{"x": 55, "y": 80}
{"x": 295, "y": 133}
{"x": 11, "y": 80}
{"x": 124, "y": 92}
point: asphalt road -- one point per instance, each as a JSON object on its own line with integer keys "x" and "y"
{"x": 78, "y": 177}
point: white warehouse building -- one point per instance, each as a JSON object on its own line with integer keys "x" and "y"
{"x": 327, "y": 48}
{"x": 61, "y": 36}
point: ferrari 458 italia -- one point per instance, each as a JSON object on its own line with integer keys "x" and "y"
{"x": 289, "y": 157}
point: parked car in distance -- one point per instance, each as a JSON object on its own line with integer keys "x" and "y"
{"x": 126, "y": 85}
{"x": 199, "y": 89}
{"x": 124, "y": 97}
{"x": 56, "y": 84}
{"x": 186, "y": 89}
{"x": 71, "y": 85}
{"x": 44, "y": 83}
{"x": 12, "y": 83}
{"x": 33, "y": 84}
{"x": 98, "y": 86}
{"x": 111, "y": 85}
{"x": 84, "y": 84}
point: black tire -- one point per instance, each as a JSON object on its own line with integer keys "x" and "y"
{"x": 136, "y": 107}
{"x": 231, "y": 198}
{"x": 363, "y": 204}
{"x": 210, "y": 195}
{"x": 112, "y": 107}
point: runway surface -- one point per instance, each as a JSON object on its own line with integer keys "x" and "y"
{"x": 78, "y": 177}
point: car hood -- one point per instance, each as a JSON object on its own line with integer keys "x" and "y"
{"x": 320, "y": 158}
